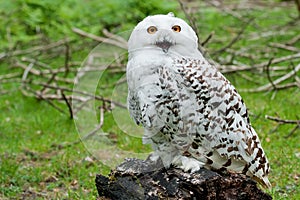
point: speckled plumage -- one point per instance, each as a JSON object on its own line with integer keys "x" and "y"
{"x": 193, "y": 117}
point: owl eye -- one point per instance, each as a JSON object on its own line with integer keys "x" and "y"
{"x": 176, "y": 28}
{"x": 151, "y": 29}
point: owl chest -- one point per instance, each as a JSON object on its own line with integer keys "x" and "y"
{"x": 145, "y": 74}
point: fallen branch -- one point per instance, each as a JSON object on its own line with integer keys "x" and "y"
{"x": 208, "y": 38}
{"x": 278, "y": 60}
{"x": 10, "y": 76}
{"x": 99, "y": 126}
{"x": 68, "y": 104}
{"x": 115, "y": 37}
{"x": 293, "y": 131}
{"x": 39, "y": 96}
{"x": 269, "y": 86}
{"x": 67, "y": 59}
{"x": 293, "y": 40}
{"x": 100, "y": 98}
{"x": 285, "y": 47}
{"x": 286, "y": 121}
{"x": 268, "y": 73}
{"x": 28, "y": 69}
{"x": 234, "y": 68}
{"x": 3, "y": 92}
{"x": 282, "y": 121}
{"x": 36, "y": 48}
{"x": 100, "y": 39}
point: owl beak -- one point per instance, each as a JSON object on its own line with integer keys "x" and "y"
{"x": 164, "y": 45}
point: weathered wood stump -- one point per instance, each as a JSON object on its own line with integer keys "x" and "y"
{"x": 138, "y": 179}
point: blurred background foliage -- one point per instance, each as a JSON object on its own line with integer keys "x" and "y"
{"x": 25, "y": 20}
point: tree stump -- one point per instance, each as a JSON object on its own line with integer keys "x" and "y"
{"x": 139, "y": 179}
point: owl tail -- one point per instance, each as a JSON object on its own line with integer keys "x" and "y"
{"x": 264, "y": 181}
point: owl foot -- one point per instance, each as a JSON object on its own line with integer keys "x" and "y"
{"x": 154, "y": 157}
{"x": 188, "y": 164}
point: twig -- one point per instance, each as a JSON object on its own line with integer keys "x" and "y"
{"x": 293, "y": 40}
{"x": 235, "y": 39}
{"x": 232, "y": 68}
{"x": 292, "y": 131}
{"x": 83, "y": 103}
{"x": 68, "y": 97}
{"x": 268, "y": 73}
{"x": 29, "y": 69}
{"x": 115, "y": 37}
{"x": 297, "y": 2}
{"x": 99, "y": 39}
{"x": 33, "y": 49}
{"x": 297, "y": 79}
{"x": 26, "y": 71}
{"x": 260, "y": 35}
{"x": 278, "y": 87}
{"x": 68, "y": 104}
{"x": 3, "y": 92}
{"x": 39, "y": 96}
{"x": 67, "y": 59}
{"x": 99, "y": 126}
{"x": 248, "y": 78}
{"x": 217, "y": 5}
{"x": 90, "y": 134}
{"x": 208, "y": 38}
{"x": 278, "y": 60}
{"x": 100, "y": 98}
{"x": 242, "y": 54}
{"x": 286, "y": 121}
{"x": 190, "y": 19}
{"x": 282, "y": 121}
{"x": 285, "y": 47}
{"x": 9, "y": 76}
{"x": 224, "y": 9}
{"x": 48, "y": 82}
{"x": 36, "y": 62}
{"x": 63, "y": 70}
{"x": 276, "y": 82}
{"x": 287, "y": 85}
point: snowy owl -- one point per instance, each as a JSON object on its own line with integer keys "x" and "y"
{"x": 192, "y": 116}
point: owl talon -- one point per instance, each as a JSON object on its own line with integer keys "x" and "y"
{"x": 189, "y": 164}
{"x": 153, "y": 157}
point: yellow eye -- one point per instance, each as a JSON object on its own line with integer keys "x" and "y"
{"x": 151, "y": 29}
{"x": 176, "y": 28}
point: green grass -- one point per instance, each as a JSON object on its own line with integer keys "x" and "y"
{"x": 36, "y": 158}
{"x": 30, "y": 134}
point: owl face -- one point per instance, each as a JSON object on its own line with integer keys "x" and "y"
{"x": 166, "y": 34}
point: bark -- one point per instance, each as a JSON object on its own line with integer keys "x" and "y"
{"x": 138, "y": 179}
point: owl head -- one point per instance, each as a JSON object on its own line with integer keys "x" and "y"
{"x": 166, "y": 34}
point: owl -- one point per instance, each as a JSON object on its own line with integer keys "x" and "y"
{"x": 192, "y": 115}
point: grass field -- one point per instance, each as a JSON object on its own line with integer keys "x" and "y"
{"x": 40, "y": 156}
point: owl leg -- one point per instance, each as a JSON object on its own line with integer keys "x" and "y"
{"x": 162, "y": 149}
{"x": 154, "y": 157}
{"x": 187, "y": 163}
{"x": 166, "y": 155}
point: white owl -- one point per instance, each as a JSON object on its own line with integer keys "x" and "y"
{"x": 193, "y": 117}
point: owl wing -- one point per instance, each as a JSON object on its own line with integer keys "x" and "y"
{"x": 224, "y": 122}
{"x": 134, "y": 107}
{"x": 142, "y": 104}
